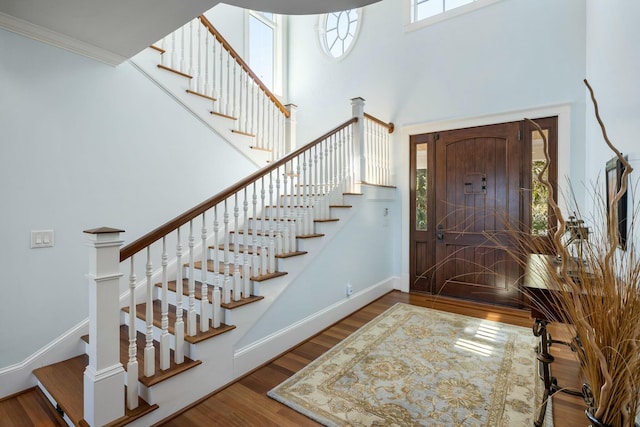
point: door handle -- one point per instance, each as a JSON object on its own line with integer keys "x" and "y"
{"x": 440, "y": 233}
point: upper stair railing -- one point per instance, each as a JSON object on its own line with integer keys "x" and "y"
{"x": 229, "y": 243}
{"x": 198, "y": 51}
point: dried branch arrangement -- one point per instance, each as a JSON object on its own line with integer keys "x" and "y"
{"x": 599, "y": 295}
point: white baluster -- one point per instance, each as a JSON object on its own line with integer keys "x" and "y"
{"x": 165, "y": 338}
{"x": 183, "y": 63}
{"x": 286, "y": 241}
{"x": 299, "y": 208}
{"x": 179, "y": 325}
{"x": 149, "y": 349}
{"x": 206, "y": 90}
{"x": 279, "y": 202}
{"x": 191, "y": 314}
{"x": 227, "y": 108}
{"x": 253, "y": 109}
{"x": 255, "y": 259}
{"x": 263, "y": 231}
{"x": 272, "y": 245}
{"x": 132, "y": 364}
{"x": 214, "y": 78}
{"x": 292, "y": 213}
{"x": 204, "y": 302}
{"x": 308, "y": 223}
{"x": 199, "y": 82}
{"x": 237, "y": 280}
{"x": 226, "y": 291}
{"x": 216, "y": 315}
{"x": 247, "y": 107}
{"x": 246, "y": 270}
{"x": 174, "y": 52}
{"x": 234, "y": 91}
{"x": 194, "y": 79}
{"x": 215, "y": 297}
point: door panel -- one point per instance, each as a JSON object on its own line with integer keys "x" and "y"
{"x": 475, "y": 199}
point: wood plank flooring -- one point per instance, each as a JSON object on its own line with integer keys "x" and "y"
{"x": 245, "y": 404}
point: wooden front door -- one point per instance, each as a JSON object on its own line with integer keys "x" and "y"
{"x": 471, "y": 185}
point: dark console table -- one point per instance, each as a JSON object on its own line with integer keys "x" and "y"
{"x": 544, "y": 311}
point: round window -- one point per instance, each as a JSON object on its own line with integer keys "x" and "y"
{"x": 339, "y": 31}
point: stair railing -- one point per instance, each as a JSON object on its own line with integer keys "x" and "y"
{"x": 218, "y": 73}
{"x": 234, "y": 239}
{"x": 373, "y": 147}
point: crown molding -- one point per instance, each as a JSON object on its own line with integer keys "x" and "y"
{"x": 45, "y": 35}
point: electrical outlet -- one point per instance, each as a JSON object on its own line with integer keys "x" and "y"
{"x": 349, "y": 289}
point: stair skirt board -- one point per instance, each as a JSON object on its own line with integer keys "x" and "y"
{"x": 255, "y": 354}
{"x": 18, "y": 377}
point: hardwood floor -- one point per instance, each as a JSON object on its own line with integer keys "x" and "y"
{"x": 245, "y": 403}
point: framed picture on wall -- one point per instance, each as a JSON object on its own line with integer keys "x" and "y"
{"x": 613, "y": 174}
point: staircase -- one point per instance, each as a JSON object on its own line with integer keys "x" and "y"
{"x": 201, "y": 283}
{"x": 186, "y": 338}
{"x": 198, "y": 68}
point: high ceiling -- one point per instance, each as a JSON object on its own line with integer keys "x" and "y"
{"x": 115, "y": 30}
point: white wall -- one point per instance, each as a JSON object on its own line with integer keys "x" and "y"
{"x": 512, "y": 56}
{"x": 613, "y": 65}
{"x": 85, "y": 145}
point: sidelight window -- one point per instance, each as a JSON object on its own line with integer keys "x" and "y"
{"x": 421, "y": 186}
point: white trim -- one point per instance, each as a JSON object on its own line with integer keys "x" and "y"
{"x": 467, "y": 8}
{"x": 259, "y": 352}
{"x": 56, "y": 39}
{"x": 17, "y": 377}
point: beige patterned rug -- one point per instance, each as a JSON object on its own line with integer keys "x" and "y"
{"x": 413, "y": 366}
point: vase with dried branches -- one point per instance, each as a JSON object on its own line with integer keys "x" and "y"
{"x": 599, "y": 296}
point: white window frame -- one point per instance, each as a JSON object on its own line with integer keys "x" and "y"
{"x": 278, "y": 24}
{"x": 409, "y": 7}
{"x": 322, "y": 22}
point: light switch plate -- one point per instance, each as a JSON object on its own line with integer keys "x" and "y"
{"x": 41, "y": 239}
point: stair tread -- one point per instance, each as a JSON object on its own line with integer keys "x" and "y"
{"x": 251, "y": 232}
{"x": 157, "y": 316}
{"x": 171, "y": 285}
{"x": 64, "y": 381}
{"x": 160, "y": 375}
{"x": 249, "y": 250}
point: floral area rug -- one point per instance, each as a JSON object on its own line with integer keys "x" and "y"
{"x": 414, "y": 366}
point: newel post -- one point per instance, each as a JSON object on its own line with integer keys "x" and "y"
{"x": 360, "y": 165}
{"x": 290, "y": 128}
{"x": 104, "y": 376}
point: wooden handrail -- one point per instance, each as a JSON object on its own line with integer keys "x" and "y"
{"x": 389, "y": 126}
{"x": 243, "y": 64}
{"x": 155, "y": 235}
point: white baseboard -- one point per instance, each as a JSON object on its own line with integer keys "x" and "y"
{"x": 259, "y": 352}
{"x": 18, "y": 377}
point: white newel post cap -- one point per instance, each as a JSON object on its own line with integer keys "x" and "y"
{"x": 104, "y": 376}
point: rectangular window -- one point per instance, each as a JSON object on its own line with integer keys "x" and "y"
{"x": 421, "y": 186}
{"x": 539, "y": 192}
{"x": 431, "y": 11}
{"x": 264, "y": 48}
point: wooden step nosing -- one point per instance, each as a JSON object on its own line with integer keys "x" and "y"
{"x": 180, "y": 73}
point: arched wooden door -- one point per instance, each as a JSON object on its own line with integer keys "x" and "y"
{"x": 471, "y": 188}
